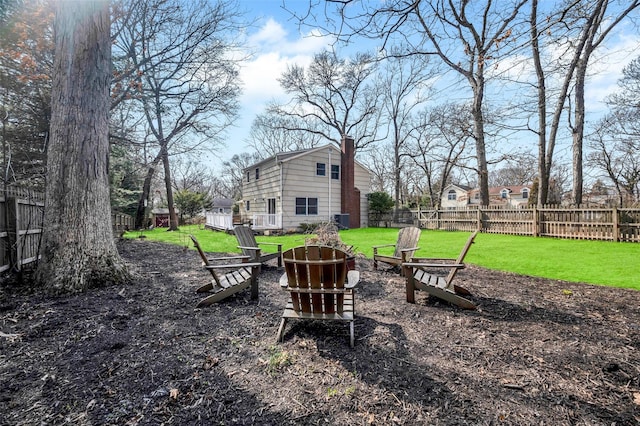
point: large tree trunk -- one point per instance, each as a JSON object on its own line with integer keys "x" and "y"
{"x": 578, "y": 134}
{"x": 143, "y": 208}
{"x": 78, "y": 245}
{"x": 543, "y": 175}
{"x": 478, "y": 122}
{"x": 173, "y": 218}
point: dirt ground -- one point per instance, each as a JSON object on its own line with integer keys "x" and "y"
{"x": 536, "y": 352}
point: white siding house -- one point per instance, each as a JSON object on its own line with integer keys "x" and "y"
{"x": 291, "y": 188}
{"x": 513, "y": 196}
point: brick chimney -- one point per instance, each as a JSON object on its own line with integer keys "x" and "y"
{"x": 350, "y": 195}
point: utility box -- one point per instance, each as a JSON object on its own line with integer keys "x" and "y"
{"x": 342, "y": 220}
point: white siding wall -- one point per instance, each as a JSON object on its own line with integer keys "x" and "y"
{"x": 460, "y": 201}
{"x": 300, "y": 180}
{"x": 258, "y": 191}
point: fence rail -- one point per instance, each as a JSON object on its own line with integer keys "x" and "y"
{"x": 578, "y": 223}
{"x": 21, "y": 224}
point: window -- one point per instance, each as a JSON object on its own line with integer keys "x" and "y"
{"x": 257, "y": 173}
{"x": 451, "y": 195}
{"x": 504, "y": 193}
{"x": 320, "y": 169}
{"x": 477, "y": 196}
{"x": 248, "y": 205}
{"x": 335, "y": 171}
{"x": 306, "y": 206}
{"x": 525, "y": 193}
{"x": 248, "y": 176}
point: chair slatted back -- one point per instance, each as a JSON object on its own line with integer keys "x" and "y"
{"x": 461, "y": 256}
{"x": 205, "y": 261}
{"x": 407, "y": 238}
{"x": 316, "y": 277}
{"x": 245, "y": 237}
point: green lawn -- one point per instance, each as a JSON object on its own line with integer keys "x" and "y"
{"x": 596, "y": 262}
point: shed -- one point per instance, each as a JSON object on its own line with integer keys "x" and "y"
{"x": 160, "y": 217}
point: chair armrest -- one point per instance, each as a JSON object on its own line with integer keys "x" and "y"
{"x": 434, "y": 265}
{"x": 384, "y": 245}
{"x": 353, "y": 278}
{"x": 214, "y": 259}
{"x": 249, "y": 248}
{"x": 410, "y": 249}
{"x": 432, "y": 259}
{"x": 270, "y": 244}
{"x": 234, "y": 266}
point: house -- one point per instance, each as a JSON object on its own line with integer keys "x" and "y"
{"x": 222, "y": 205}
{"x": 455, "y": 196}
{"x": 512, "y": 196}
{"x": 307, "y": 186}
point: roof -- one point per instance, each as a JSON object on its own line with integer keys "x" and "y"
{"x": 461, "y": 187}
{"x": 223, "y": 202}
{"x": 511, "y": 188}
{"x": 292, "y": 155}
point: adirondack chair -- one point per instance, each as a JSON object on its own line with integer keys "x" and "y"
{"x": 319, "y": 285}
{"x": 442, "y": 286}
{"x": 247, "y": 243}
{"x": 238, "y": 277}
{"x": 405, "y": 247}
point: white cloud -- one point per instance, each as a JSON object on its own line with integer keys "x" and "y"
{"x": 605, "y": 68}
{"x": 275, "y": 49}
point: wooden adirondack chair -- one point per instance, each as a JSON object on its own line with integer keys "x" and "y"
{"x": 247, "y": 243}
{"x": 441, "y": 286}
{"x": 405, "y": 247}
{"x": 319, "y": 285}
{"x": 238, "y": 276}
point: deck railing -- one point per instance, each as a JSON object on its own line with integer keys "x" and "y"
{"x": 219, "y": 221}
{"x": 267, "y": 221}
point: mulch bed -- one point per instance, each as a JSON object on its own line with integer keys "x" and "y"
{"x": 536, "y": 352}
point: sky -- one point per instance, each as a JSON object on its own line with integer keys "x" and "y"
{"x": 276, "y": 41}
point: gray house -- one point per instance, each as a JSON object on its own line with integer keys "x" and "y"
{"x": 307, "y": 186}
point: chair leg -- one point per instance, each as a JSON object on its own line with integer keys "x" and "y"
{"x": 254, "y": 282}
{"x": 353, "y": 336}
{"x": 281, "y": 330}
{"x": 411, "y": 285}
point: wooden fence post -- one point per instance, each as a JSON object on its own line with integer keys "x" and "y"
{"x": 11, "y": 206}
{"x": 616, "y": 224}
{"x": 479, "y": 220}
{"x": 535, "y": 222}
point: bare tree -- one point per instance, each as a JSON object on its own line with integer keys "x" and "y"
{"x": 78, "y": 246}
{"x": 333, "y": 98}
{"x": 519, "y": 170}
{"x": 186, "y": 78}
{"x": 578, "y": 28}
{"x": 404, "y": 88}
{"x": 466, "y": 36}
{"x": 272, "y": 134}
{"x": 616, "y": 153}
{"x": 440, "y": 145}
{"x": 615, "y": 143}
{"x": 232, "y": 172}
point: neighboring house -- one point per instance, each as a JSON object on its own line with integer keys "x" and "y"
{"x": 222, "y": 205}
{"x": 455, "y": 196}
{"x": 307, "y": 186}
{"x": 512, "y": 196}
